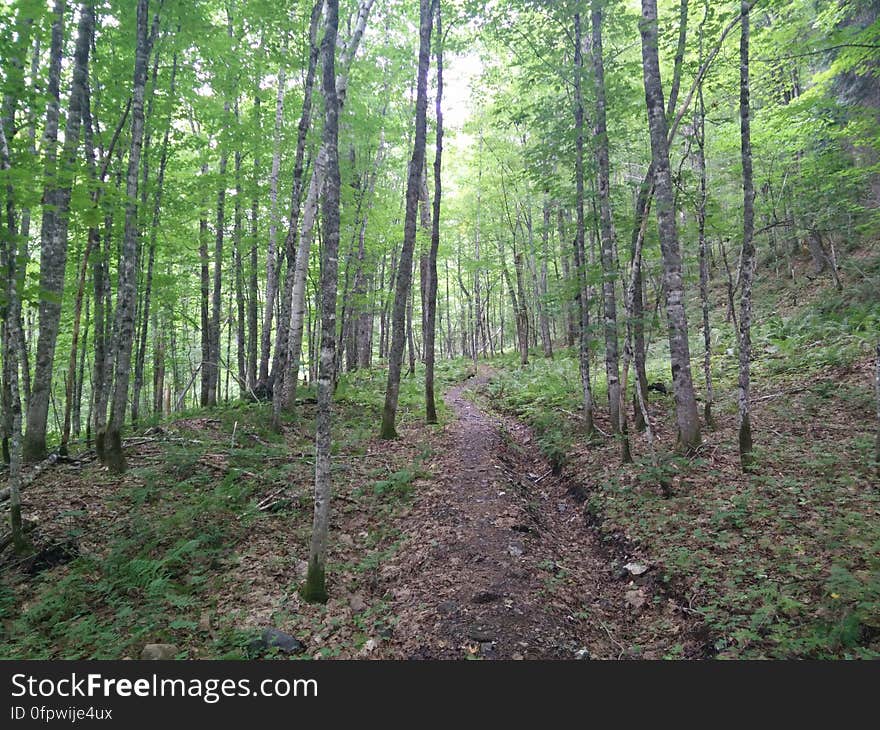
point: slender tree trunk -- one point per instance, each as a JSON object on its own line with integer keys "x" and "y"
{"x": 522, "y": 313}
{"x": 479, "y": 332}
{"x": 53, "y": 241}
{"x": 747, "y": 258}
{"x": 12, "y": 355}
{"x": 700, "y": 126}
{"x": 570, "y": 327}
{"x": 315, "y": 589}
{"x": 253, "y": 284}
{"x": 77, "y": 398}
{"x": 214, "y": 326}
{"x": 685, "y": 400}
{"x": 124, "y": 320}
{"x": 431, "y": 298}
{"x": 410, "y": 343}
{"x": 580, "y": 250}
{"x": 81, "y": 73}
{"x": 404, "y": 266}
{"x": 151, "y": 256}
{"x": 609, "y": 270}
{"x": 204, "y": 305}
{"x": 877, "y": 395}
{"x": 273, "y": 260}
{"x": 240, "y": 346}
{"x": 286, "y": 383}
{"x": 546, "y": 338}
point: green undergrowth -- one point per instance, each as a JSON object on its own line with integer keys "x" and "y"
{"x": 782, "y": 562}
{"x": 172, "y": 528}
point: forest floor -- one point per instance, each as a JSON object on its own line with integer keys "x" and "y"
{"x": 460, "y": 541}
{"x": 451, "y": 542}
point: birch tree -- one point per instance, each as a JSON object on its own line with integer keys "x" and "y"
{"x": 679, "y": 349}
{"x": 314, "y": 589}
{"x": 405, "y": 263}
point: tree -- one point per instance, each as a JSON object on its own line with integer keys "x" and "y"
{"x": 747, "y": 257}
{"x": 405, "y": 263}
{"x": 53, "y": 244}
{"x": 609, "y": 273}
{"x": 127, "y": 288}
{"x": 679, "y": 350}
{"x": 315, "y": 589}
{"x": 431, "y": 297}
{"x": 580, "y": 259}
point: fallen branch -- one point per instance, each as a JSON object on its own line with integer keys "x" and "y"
{"x": 781, "y": 393}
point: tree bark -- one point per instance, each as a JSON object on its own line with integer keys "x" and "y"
{"x": 204, "y": 308}
{"x": 315, "y": 589}
{"x": 272, "y": 258}
{"x": 127, "y": 292}
{"x": 685, "y": 400}
{"x": 431, "y": 298}
{"x": 546, "y": 338}
{"x": 53, "y": 241}
{"x": 286, "y": 381}
{"x": 747, "y": 258}
{"x": 700, "y": 127}
{"x": 151, "y": 256}
{"x": 579, "y": 247}
{"x": 405, "y": 265}
{"x": 609, "y": 272}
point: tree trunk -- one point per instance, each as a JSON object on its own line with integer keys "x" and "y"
{"x": 609, "y": 270}
{"x": 405, "y": 265}
{"x": 53, "y": 239}
{"x": 81, "y": 71}
{"x": 315, "y": 589}
{"x": 700, "y": 127}
{"x": 522, "y": 313}
{"x": 685, "y": 400}
{"x": 273, "y": 260}
{"x": 154, "y": 232}
{"x": 431, "y": 298}
{"x": 253, "y": 284}
{"x": 546, "y": 338}
{"x": 204, "y": 301}
{"x": 124, "y": 320}
{"x": 286, "y": 380}
{"x": 877, "y": 395}
{"x": 240, "y": 347}
{"x": 479, "y": 332}
{"x": 747, "y": 258}
{"x": 580, "y": 250}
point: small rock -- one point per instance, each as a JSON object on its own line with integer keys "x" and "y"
{"x": 205, "y": 621}
{"x": 371, "y": 645}
{"x": 356, "y": 603}
{"x": 346, "y": 539}
{"x": 272, "y": 638}
{"x": 485, "y": 597}
{"x": 636, "y": 569}
{"x": 582, "y": 654}
{"x": 515, "y": 549}
{"x": 158, "y": 652}
{"x": 635, "y": 598}
{"x": 481, "y": 634}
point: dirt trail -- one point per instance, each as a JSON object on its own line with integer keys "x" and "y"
{"x": 499, "y": 563}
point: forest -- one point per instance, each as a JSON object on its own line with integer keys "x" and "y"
{"x": 440, "y": 329}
